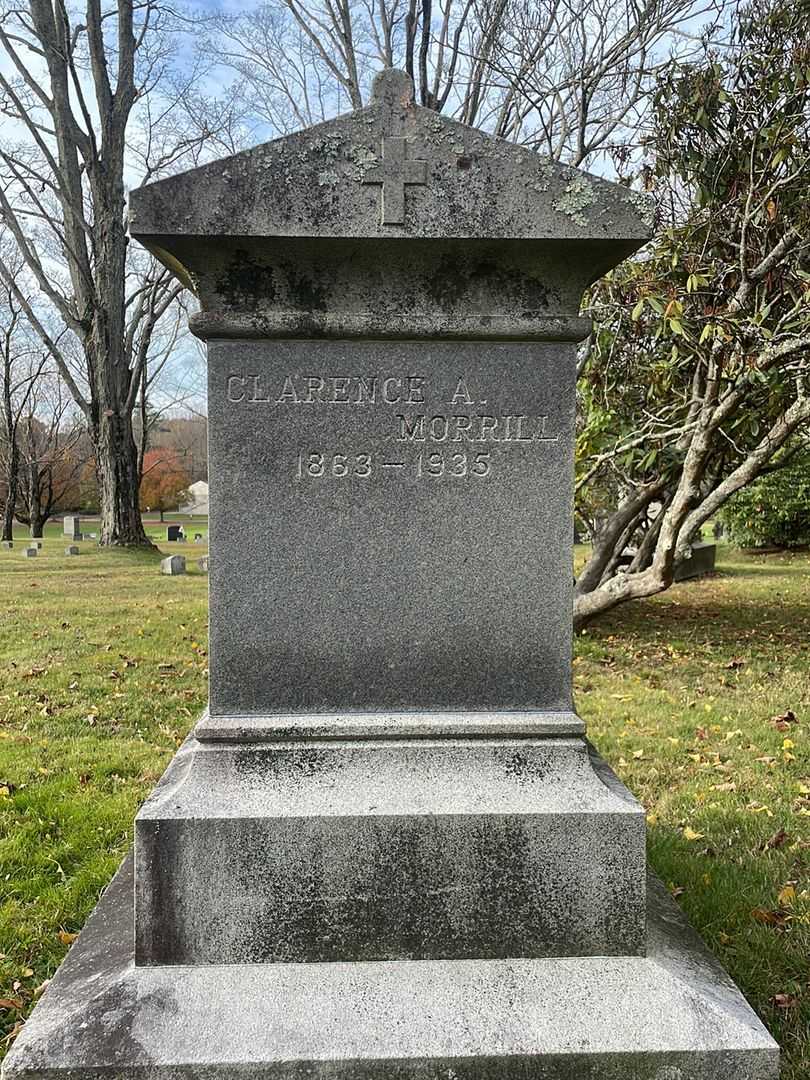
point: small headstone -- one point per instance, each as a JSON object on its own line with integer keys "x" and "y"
{"x": 173, "y": 533}
{"x": 35, "y": 543}
{"x": 203, "y": 564}
{"x": 71, "y": 527}
{"x": 173, "y": 565}
{"x": 31, "y": 552}
{"x": 7, "y": 544}
{"x": 198, "y": 538}
{"x": 700, "y": 562}
{"x": 93, "y": 536}
{"x": 71, "y": 549}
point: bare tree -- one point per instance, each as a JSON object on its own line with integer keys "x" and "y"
{"x": 21, "y": 367}
{"x": 571, "y": 78}
{"x": 51, "y": 443}
{"x": 93, "y": 93}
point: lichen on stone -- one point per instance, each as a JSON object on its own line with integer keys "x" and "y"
{"x": 545, "y": 171}
{"x": 576, "y": 198}
{"x": 642, "y": 204}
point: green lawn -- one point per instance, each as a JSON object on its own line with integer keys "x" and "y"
{"x": 700, "y": 700}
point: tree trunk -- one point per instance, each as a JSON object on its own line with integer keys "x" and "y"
{"x": 12, "y": 485}
{"x": 11, "y": 503}
{"x": 35, "y": 519}
{"x": 118, "y": 483}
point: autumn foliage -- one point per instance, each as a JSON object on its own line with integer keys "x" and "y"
{"x": 164, "y": 480}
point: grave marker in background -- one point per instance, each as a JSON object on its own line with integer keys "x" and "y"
{"x": 391, "y": 768}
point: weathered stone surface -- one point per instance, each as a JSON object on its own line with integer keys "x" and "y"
{"x": 670, "y": 1015}
{"x": 324, "y": 182}
{"x": 72, "y": 527}
{"x": 71, "y": 549}
{"x": 174, "y": 533}
{"x": 202, "y": 564}
{"x": 388, "y": 851}
{"x": 31, "y": 552}
{"x": 7, "y": 544}
{"x": 701, "y": 561}
{"x": 173, "y": 565}
{"x": 435, "y": 573}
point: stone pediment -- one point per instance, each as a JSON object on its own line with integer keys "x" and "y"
{"x": 391, "y": 170}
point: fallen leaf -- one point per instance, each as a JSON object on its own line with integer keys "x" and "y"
{"x": 66, "y": 938}
{"x": 784, "y": 720}
{"x": 786, "y": 895}
{"x": 690, "y": 834}
{"x": 776, "y": 841}
{"x": 784, "y": 1001}
{"x": 736, "y": 662}
{"x": 769, "y": 918}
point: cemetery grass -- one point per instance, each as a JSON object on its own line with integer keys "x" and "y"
{"x": 699, "y": 699}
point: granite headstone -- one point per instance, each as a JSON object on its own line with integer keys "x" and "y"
{"x": 391, "y": 767}
{"x": 72, "y": 527}
{"x": 700, "y": 560}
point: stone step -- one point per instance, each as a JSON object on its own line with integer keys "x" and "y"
{"x": 388, "y": 850}
{"x": 672, "y": 1015}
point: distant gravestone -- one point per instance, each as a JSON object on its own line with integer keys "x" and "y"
{"x": 701, "y": 561}
{"x": 71, "y": 549}
{"x": 203, "y": 564}
{"x": 72, "y": 527}
{"x": 7, "y": 544}
{"x": 173, "y": 565}
{"x": 387, "y": 849}
{"x": 31, "y": 552}
{"x": 173, "y": 533}
{"x": 198, "y": 538}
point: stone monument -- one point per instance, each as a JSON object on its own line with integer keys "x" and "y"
{"x": 387, "y": 849}
{"x": 72, "y": 527}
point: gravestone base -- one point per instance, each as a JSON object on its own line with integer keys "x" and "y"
{"x": 670, "y": 1015}
{"x": 388, "y": 850}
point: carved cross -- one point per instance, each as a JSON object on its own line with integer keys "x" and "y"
{"x": 394, "y": 173}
